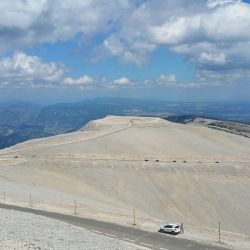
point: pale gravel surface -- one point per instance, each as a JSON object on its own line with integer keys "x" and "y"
{"x": 103, "y": 168}
{"x": 21, "y": 231}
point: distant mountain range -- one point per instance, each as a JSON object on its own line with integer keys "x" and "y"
{"x": 24, "y": 121}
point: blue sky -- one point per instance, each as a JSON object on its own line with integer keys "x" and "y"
{"x": 52, "y": 51}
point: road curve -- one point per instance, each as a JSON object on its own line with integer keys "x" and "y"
{"x": 69, "y": 142}
{"x": 156, "y": 241}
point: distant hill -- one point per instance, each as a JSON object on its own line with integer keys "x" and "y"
{"x": 184, "y": 119}
{"x": 228, "y": 126}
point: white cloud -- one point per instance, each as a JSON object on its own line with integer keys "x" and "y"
{"x": 162, "y": 81}
{"x": 27, "y": 23}
{"x": 216, "y": 3}
{"x": 212, "y": 34}
{"x": 135, "y": 29}
{"x": 122, "y": 81}
{"x": 22, "y": 69}
{"x": 20, "y": 14}
{"x": 84, "y": 80}
{"x": 113, "y": 46}
{"x": 167, "y": 79}
{"x": 228, "y": 77}
{"x": 175, "y": 31}
{"x": 216, "y": 59}
{"x": 170, "y": 81}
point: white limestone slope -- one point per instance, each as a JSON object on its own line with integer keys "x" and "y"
{"x": 103, "y": 167}
{"x": 140, "y": 138}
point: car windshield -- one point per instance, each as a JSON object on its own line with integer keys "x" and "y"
{"x": 168, "y": 226}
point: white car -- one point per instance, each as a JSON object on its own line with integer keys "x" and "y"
{"x": 173, "y": 228}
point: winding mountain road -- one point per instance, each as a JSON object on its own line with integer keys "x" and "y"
{"x": 151, "y": 240}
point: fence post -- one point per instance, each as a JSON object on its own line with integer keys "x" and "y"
{"x": 134, "y": 223}
{"x": 75, "y": 207}
{"x": 219, "y": 233}
{"x": 30, "y": 201}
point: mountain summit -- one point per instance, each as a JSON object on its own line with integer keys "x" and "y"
{"x": 165, "y": 170}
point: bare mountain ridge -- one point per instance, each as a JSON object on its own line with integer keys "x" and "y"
{"x": 166, "y": 171}
{"x": 227, "y": 126}
{"x": 25, "y": 121}
{"x": 139, "y": 138}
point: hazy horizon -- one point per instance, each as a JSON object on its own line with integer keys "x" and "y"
{"x": 114, "y": 98}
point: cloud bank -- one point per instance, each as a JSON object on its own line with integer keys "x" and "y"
{"x": 25, "y": 70}
{"x": 212, "y": 34}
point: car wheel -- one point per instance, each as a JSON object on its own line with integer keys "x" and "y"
{"x": 173, "y": 233}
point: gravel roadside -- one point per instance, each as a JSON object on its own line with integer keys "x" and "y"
{"x": 19, "y": 230}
